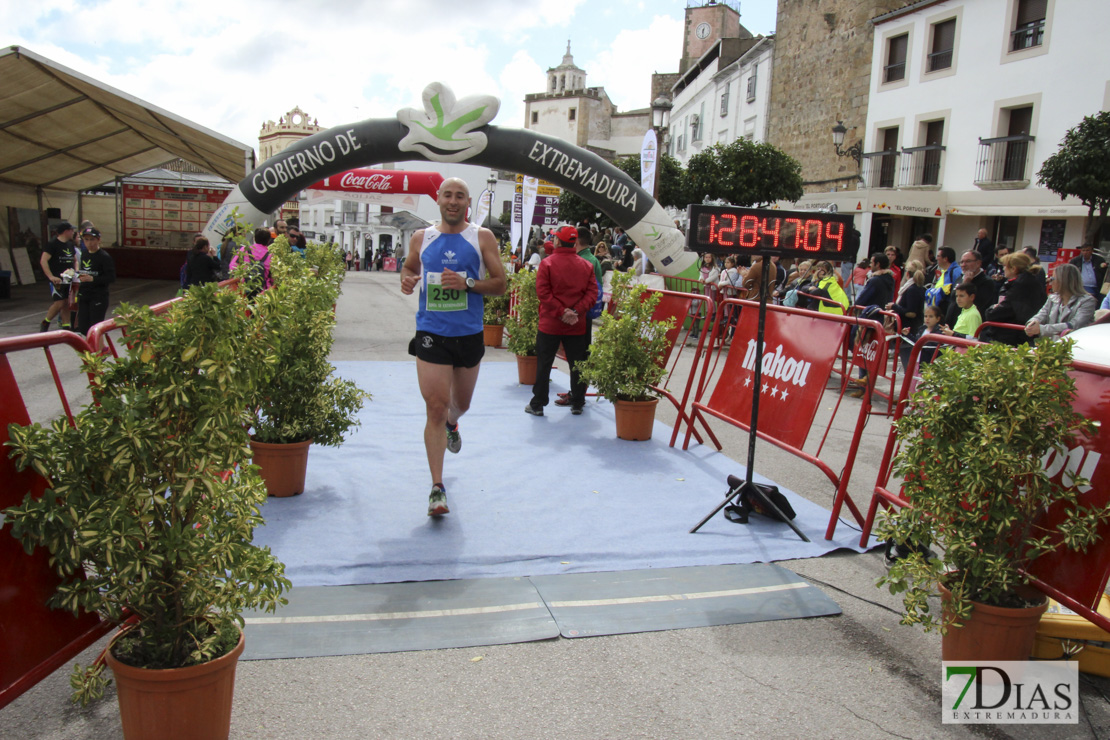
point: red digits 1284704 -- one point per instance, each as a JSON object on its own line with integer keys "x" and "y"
{"x": 750, "y": 232}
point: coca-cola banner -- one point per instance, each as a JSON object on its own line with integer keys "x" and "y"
{"x": 447, "y": 129}
{"x": 798, "y": 356}
{"x": 382, "y": 181}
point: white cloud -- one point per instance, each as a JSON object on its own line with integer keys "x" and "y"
{"x": 625, "y": 67}
{"x": 230, "y": 65}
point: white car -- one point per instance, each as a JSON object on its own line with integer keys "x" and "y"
{"x": 1092, "y": 344}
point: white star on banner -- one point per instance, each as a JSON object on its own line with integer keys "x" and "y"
{"x": 774, "y": 392}
{"x": 762, "y": 389}
{"x": 747, "y": 381}
{"x": 784, "y": 394}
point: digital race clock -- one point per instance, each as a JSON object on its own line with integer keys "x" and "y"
{"x": 735, "y": 230}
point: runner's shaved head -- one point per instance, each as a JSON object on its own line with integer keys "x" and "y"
{"x": 455, "y": 182}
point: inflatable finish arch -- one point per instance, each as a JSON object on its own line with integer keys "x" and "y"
{"x": 450, "y": 130}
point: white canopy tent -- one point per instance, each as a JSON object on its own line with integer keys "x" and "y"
{"x": 61, "y": 130}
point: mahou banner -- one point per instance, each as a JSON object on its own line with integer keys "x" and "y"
{"x": 798, "y": 356}
{"x": 1082, "y": 575}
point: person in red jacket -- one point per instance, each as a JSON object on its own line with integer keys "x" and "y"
{"x": 567, "y": 288}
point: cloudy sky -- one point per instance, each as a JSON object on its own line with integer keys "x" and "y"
{"x": 231, "y": 65}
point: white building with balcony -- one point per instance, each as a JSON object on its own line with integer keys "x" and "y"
{"x": 722, "y": 97}
{"x": 967, "y": 100}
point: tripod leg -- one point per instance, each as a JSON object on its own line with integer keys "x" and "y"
{"x": 766, "y": 500}
{"x": 732, "y": 493}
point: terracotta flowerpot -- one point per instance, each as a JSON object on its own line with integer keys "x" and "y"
{"x": 635, "y": 419}
{"x": 492, "y": 334}
{"x": 177, "y": 703}
{"x": 526, "y": 369}
{"x": 282, "y": 466}
{"x": 993, "y": 632}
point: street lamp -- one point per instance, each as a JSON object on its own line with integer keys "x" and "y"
{"x": 660, "y": 121}
{"x": 491, "y": 183}
{"x": 854, "y": 151}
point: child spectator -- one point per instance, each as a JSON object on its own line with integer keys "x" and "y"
{"x": 968, "y": 319}
{"x": 930, "y": 325}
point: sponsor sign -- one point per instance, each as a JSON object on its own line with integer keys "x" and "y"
{"x": 166, "y": 216}
{"x": 798, "y": 356}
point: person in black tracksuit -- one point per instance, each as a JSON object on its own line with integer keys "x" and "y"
{"x": 96, "y": 273}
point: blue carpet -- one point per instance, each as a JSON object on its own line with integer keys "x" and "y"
{"x": 528, "y": 496}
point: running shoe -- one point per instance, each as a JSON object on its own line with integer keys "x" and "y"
{"x": 564, "y": 400}
{"x": 44, "y": 326}
{"x": 454, "y": 441}
{"x": 576, "y": 410}
{"x": 530, "y": 409}
{"x": 437, "y": 502}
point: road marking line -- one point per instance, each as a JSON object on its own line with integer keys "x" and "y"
{"x": 462, "y": 612}
{"x": 679, "y": 597}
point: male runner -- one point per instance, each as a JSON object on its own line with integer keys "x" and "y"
{"x": 56, "y": 259}
{"x": 449, "y": 261}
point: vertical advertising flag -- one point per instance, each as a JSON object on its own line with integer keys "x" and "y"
{"x": 481, "y": 208}
{"x": 649, "y": 156}
{"x": 529, "y": 190}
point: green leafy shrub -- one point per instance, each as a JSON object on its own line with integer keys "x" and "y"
{"x": 626, "y": 356}
{"x": 973, "y": 444}
{"x": 303, "y": 400}
{"x": 523, "y": 323}
{"x": 151, "y": 501}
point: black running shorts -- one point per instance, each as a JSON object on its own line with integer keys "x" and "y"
{"x": 466, "y": 351}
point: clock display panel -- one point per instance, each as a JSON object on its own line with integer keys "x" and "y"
{"x": 735, "y": 230}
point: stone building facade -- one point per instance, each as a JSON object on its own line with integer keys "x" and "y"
{"x": 275, "y": 137}
{"x": 822, "y": 70}
{"x": 570, "y": 110}
{"x": 705, "y": 26}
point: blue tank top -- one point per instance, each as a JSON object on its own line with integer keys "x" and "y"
{"x": 450, "y": 313}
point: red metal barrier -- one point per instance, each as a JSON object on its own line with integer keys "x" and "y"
{"x": 812, "y": 342}
{"x": 1074, "y": 579}
{"x": 34, "y": 639}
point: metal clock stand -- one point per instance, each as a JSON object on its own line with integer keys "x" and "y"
{"x": 736, "y": 486}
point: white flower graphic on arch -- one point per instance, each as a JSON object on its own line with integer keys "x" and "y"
{"x": 444, "y": 130}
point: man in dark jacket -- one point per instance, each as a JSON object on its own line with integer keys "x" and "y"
{"x": 96, "y": 273}
{"x": 567, "y": 289}
{"x": 986, "y": 292}
{"x": 985, "y": 247}
{"x": 1092, "y": 270}
{"x": 879, "y": 289}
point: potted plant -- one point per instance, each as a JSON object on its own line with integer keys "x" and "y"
{"x": 523, "y": 323}
{"x": 150, "y": 507}
{"x": 973, "y": 441}
{"x": 493, "y": 319}
{"x": 626, "y": 356}
{"x": 303, "y": 402}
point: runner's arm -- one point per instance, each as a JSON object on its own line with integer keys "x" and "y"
{"x": 411, "y": 270}
{"x": 496, "y": 283}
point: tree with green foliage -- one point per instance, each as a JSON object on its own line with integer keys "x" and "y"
{"x": 744, "y": 173}
{"x": 1081, "y": 168}
{"x": 672, "y": 187}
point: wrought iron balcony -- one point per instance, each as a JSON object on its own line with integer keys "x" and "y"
{"x": 1027, "y": 35}
{"x": 878, "y": 169}
{"x": 1004, "y": 162}
{"x": 921, "y": 167}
